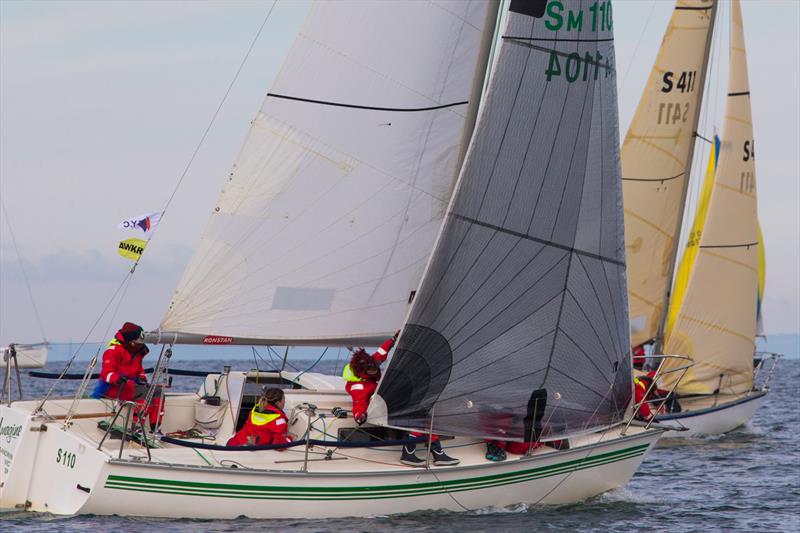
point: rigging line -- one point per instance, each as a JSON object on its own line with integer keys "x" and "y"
{"x": 211, "y": 123}
{"x": 703, "y": 138}
{"x": 22, "y": 269}
{"x": 537, "y": 239}
{"x": 636, "y": 48}
{"x": 659, "y": 180}
{"x": 370, "y": 108}
{"x": 588, "y": 453}
{"x": 312, "y": 366}
{"x": 125, "y": 280}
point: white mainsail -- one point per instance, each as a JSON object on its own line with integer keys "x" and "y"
{"x": 716, "y": 323}
{"x": 520, "y": 327}
{"x": 656, "y": 159}
{"x": 325, "y": 225}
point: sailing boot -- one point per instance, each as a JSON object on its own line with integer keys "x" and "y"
{"x": 440, "y": 458}
{"x": 494, "y": 452}
{"x": 409, "y": 456}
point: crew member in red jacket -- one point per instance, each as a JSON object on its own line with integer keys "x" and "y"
{"x": 362, "y": 374}
{"x": 267, "y": 423}
{"x": 122, "y": 376}
{"x": 648, "y": 395}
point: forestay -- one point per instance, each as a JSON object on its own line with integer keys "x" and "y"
{"x": 523, "y": 303}
{"x": 716, "y": 323}
{"x": 656, "y": 159}
{"x": 323, "y": 229}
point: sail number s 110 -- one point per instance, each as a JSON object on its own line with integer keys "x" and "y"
{"x": 65, "y": 458}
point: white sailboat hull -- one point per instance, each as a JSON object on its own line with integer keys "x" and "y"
{"x": 29, "y": 356}
{"x": 61, "y": 471}
{"x": 714, "y": 419}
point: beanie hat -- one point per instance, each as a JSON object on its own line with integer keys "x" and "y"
{"x": 130, "y": 331}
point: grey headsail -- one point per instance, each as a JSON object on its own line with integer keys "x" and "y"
{"x": 520, "y": 326}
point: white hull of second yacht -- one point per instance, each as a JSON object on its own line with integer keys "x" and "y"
{"x": 29, "y": 356}
{"x": 62, "y": 471}
{"x": 714, "y": 419}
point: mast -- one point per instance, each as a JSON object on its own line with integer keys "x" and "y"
{"x": 659, "y": 347}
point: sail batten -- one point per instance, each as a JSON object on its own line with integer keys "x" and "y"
{"x": 522, "y": 315}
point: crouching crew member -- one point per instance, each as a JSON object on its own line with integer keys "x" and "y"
{"x": 122, "y": 375}
{"x": 362, "y": 374}
{"x": 267, "y": 423}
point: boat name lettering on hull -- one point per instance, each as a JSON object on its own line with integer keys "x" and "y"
{"x": 10, "y": 432}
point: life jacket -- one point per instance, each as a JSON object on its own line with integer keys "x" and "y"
{"x": 362, "y": 367}
{"x": 267, "y": 427}
{"x": 262, "y": 419}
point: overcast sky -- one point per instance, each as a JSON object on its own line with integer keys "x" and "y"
{"x": 103, "y": 103}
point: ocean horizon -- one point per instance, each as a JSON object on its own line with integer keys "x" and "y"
{"x": 787, "y": 344}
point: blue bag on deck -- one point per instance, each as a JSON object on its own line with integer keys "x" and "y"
{"x": 100, "y": 389}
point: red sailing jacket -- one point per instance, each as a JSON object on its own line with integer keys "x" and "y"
{"x": 647, "y": 410}
{"x": 267, "y": 427}
{"x": 118, "y": 362}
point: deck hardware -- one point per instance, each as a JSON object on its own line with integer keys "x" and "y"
{"x": 87, "y": 490}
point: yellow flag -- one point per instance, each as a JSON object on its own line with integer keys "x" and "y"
{"x": 132, "y": 248}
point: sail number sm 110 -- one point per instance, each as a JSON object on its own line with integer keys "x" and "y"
{"x": 600, "y": 15}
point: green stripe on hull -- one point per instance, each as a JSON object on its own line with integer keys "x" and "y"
{"x": 191, "y": 488}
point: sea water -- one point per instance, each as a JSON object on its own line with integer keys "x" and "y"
{"x": 747, "y": 480}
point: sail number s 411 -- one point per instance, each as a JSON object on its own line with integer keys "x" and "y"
{"x": 683, "y": 82}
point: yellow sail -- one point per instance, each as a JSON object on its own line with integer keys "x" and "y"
{"x": 716, "y": 323}
{"x": 690, "y": 253}
{"x": 656, "y": 156}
